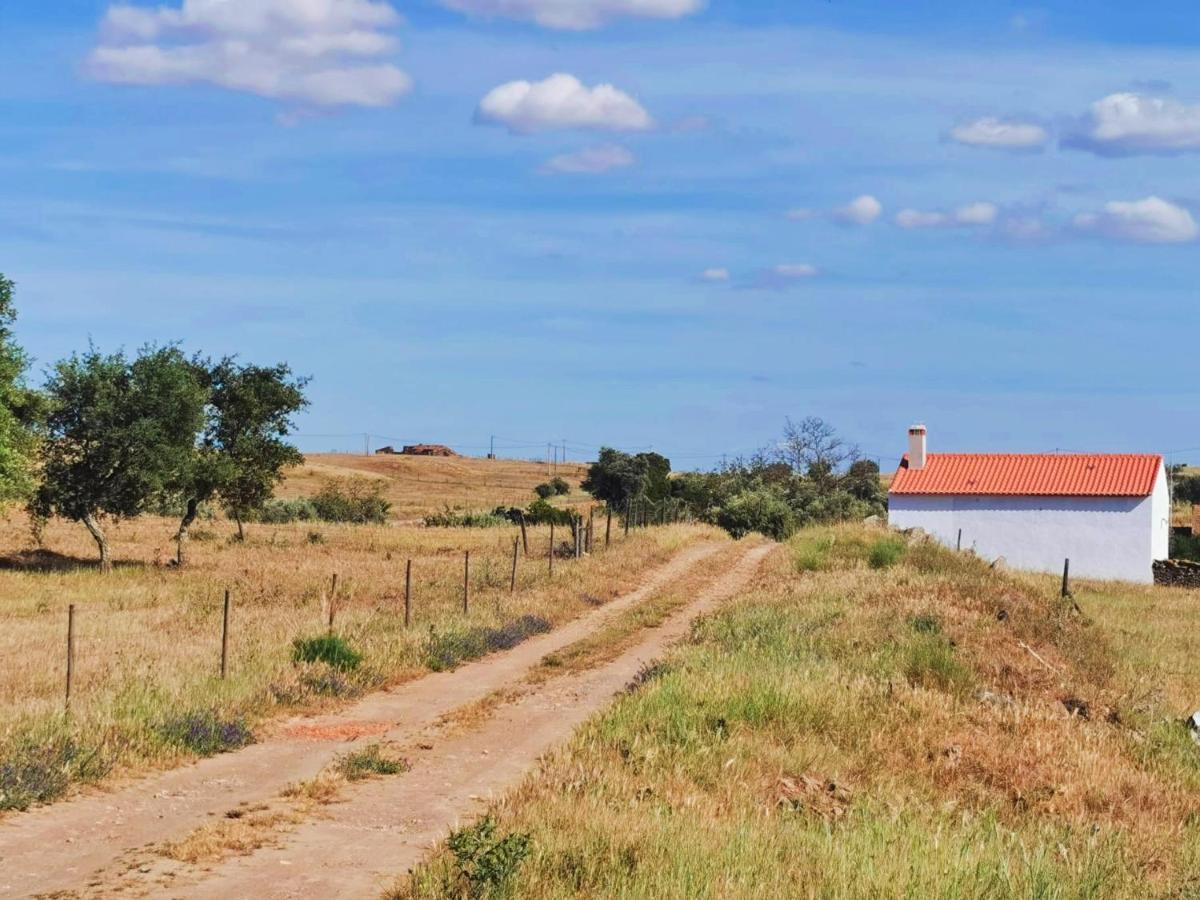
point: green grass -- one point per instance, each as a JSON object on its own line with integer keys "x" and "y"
{"x": 369, "y": 762}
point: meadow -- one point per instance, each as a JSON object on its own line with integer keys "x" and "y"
{"x": 874, "y": 717}
{"x": 147, "y": 691}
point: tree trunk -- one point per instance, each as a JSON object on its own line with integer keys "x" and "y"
{"x": 101, "y": 542}
{"x": 181, "y": 539}
{"x": 241, "y": 535}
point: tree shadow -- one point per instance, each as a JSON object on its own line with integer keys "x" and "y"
{"x": 38, "y": 560}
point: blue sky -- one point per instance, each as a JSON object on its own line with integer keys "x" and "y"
{"x": 977, "y": 215}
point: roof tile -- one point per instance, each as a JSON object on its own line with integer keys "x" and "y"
{"x": 1031, "y": 474}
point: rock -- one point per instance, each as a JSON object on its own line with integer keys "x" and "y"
{"x": 1077, "y": 707}
{"x": 1177, "y": 573}
{"x": 1193, "y": 725}
{"x": 995, "y": 699}
{"x": 872, "y": 520}
{"x": 1000, "y": 564}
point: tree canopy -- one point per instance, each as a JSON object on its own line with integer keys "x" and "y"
{"x": 18, "y": 406}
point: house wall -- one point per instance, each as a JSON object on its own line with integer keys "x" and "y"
{"x": 1104, "y": 537}
{"x": 1160, "y": 514}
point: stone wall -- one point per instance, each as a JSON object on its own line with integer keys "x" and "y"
{"x": 1177, "y": 573}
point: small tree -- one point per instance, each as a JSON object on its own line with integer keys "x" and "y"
{"x": 18, "y": 407}
{"x": 242, "y": 453}
{"x": 118, "y": 434}
{"x": 812, "y": 447}
{"x": 617, "y": 477}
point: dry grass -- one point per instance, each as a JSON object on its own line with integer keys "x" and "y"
{"x": 420, "y": 485}
{"x": 148, "y": 636}
{"x": 847, "y": 731}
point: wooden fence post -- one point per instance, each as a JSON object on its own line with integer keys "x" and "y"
{"x": 591, "y": 527}
{"x": 608, "y": 529}
{"x": 225, "y": 637}
{"x": 959, "y": 545}
{"x": 628, "y": 515}
{"x": 408, "y": 594}
{"x": 70, "y": 652}
{"x": 524, "y": 536}
{"x": 467, "y": 583}
{"x": 516, "y": 548}
{"x": 332, "y": 601}
{"x": 552, "y": 548}
{"x": 1066, "y": 583}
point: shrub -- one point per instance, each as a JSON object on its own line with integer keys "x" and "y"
{"x": 38, "y": 768}
{"x": 485, "y": 864}
{"x": 759, "y": 510}
{"x": 368, "y": 762}
{"x": 542, "y": 513}
{"x": 330, "y": 649}
{"x": 1185, "y": 546}
{"x": 886, "y": 552}
{"x": 358, "y": 501}
{"x": 544, "y": 491}
{"x": 559, "y": 486}
{"x": 449, "y": 518}
{"x": 284, "y": 512}
{"x": 205, "y": 732}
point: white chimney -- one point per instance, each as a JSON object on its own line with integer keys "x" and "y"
{"x": 916, "y": 447}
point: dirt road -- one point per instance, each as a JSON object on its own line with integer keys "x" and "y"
{"x": 96, "y": 844}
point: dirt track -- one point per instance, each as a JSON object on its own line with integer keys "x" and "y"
{"x": 95, "y": 844}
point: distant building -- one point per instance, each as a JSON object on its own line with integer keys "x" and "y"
{"x": 428, "y": 450}
{"x": 1110, "y": 514}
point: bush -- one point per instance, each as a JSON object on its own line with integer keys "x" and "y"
{"x": 1185, "y": 546}
{"x": 452, "y": 648}
{"x": 284, "y": 512}
{"x": 760, "y": 510}
{"x": 886, "y": 552}
{"x": 544, "y": 491}
{"x": 542, "y": 513}
{"x": 357, "y": 501}
{"x": 38, "y": 768}
{"x": 330, "y": 649}
{"x": 559, "y": 486}
{"x": 449, "y": 518}
{"x": 205, "y": 732}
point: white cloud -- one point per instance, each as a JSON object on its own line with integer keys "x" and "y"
{"x": 574, "y": 15}
{"x": 972, "y": 215}
{"x": 860, "y": 211}
{"x": 1126, "y": 124}
{"x": 802, "y": 214}
{"x": 715, "y": 275}
{"x": 1001, "y": 134}
{"x": 795, "y": 271}
{"x": 561, "y": 102}
{"x": 1149, "y": 221}
{"x": 319, "y": 52}
{"x": 590, "y": 161}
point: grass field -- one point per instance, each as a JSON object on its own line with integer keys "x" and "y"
{"x": 875, "y": 719}
{"x": 420, "y": 485}
{"x": 146, "y": 686}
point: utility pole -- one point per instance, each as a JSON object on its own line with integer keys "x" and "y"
{"x": 366, "y": 445}
{"x": 564, "y": 453}
{"x": 549, "y": 467}
{"x": 492, "y": 451}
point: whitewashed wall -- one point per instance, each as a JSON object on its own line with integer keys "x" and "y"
{"x": 1104, "y": 537}
{"x": 1160, "y": 513}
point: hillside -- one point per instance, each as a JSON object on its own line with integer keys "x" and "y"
{"x": 420, "y": 485}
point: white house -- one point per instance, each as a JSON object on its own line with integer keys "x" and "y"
{"x": 1109, "y": 514}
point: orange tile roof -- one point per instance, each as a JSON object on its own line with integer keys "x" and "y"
{"x": 1031, "y": 474}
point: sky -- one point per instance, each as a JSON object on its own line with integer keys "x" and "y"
{"x": 664, "y": 224}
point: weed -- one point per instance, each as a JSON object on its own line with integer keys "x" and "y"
{"x": 485, "y": 864}
{"x": 886, "y": 552}
{"x": 369, "y": 762}
{"x": 928, "y": 661}
{"x": 925, "y": 623}
{"x": 331, "y": 649}
{"x": 205, "y": 732}
{"x": 40, "y": 767}
{"x": 449, "y": 649}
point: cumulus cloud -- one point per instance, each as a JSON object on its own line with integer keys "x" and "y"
{"x": 1127, "y": 124}
{"x": 860, "y": 211}
{"x": 973, "y": 215}
{"x": 715, "y": 275}
{"x": 324, "y": 53}
{"x": 1149, "y": 221}
{"x": 1001, "y": 134}
{"x": 590, "y": 161}
{"x": 561, "y": 102}
{"x": 574, "y": 15}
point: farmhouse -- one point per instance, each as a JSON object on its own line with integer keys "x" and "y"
{"x": 1109, "y": 514}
